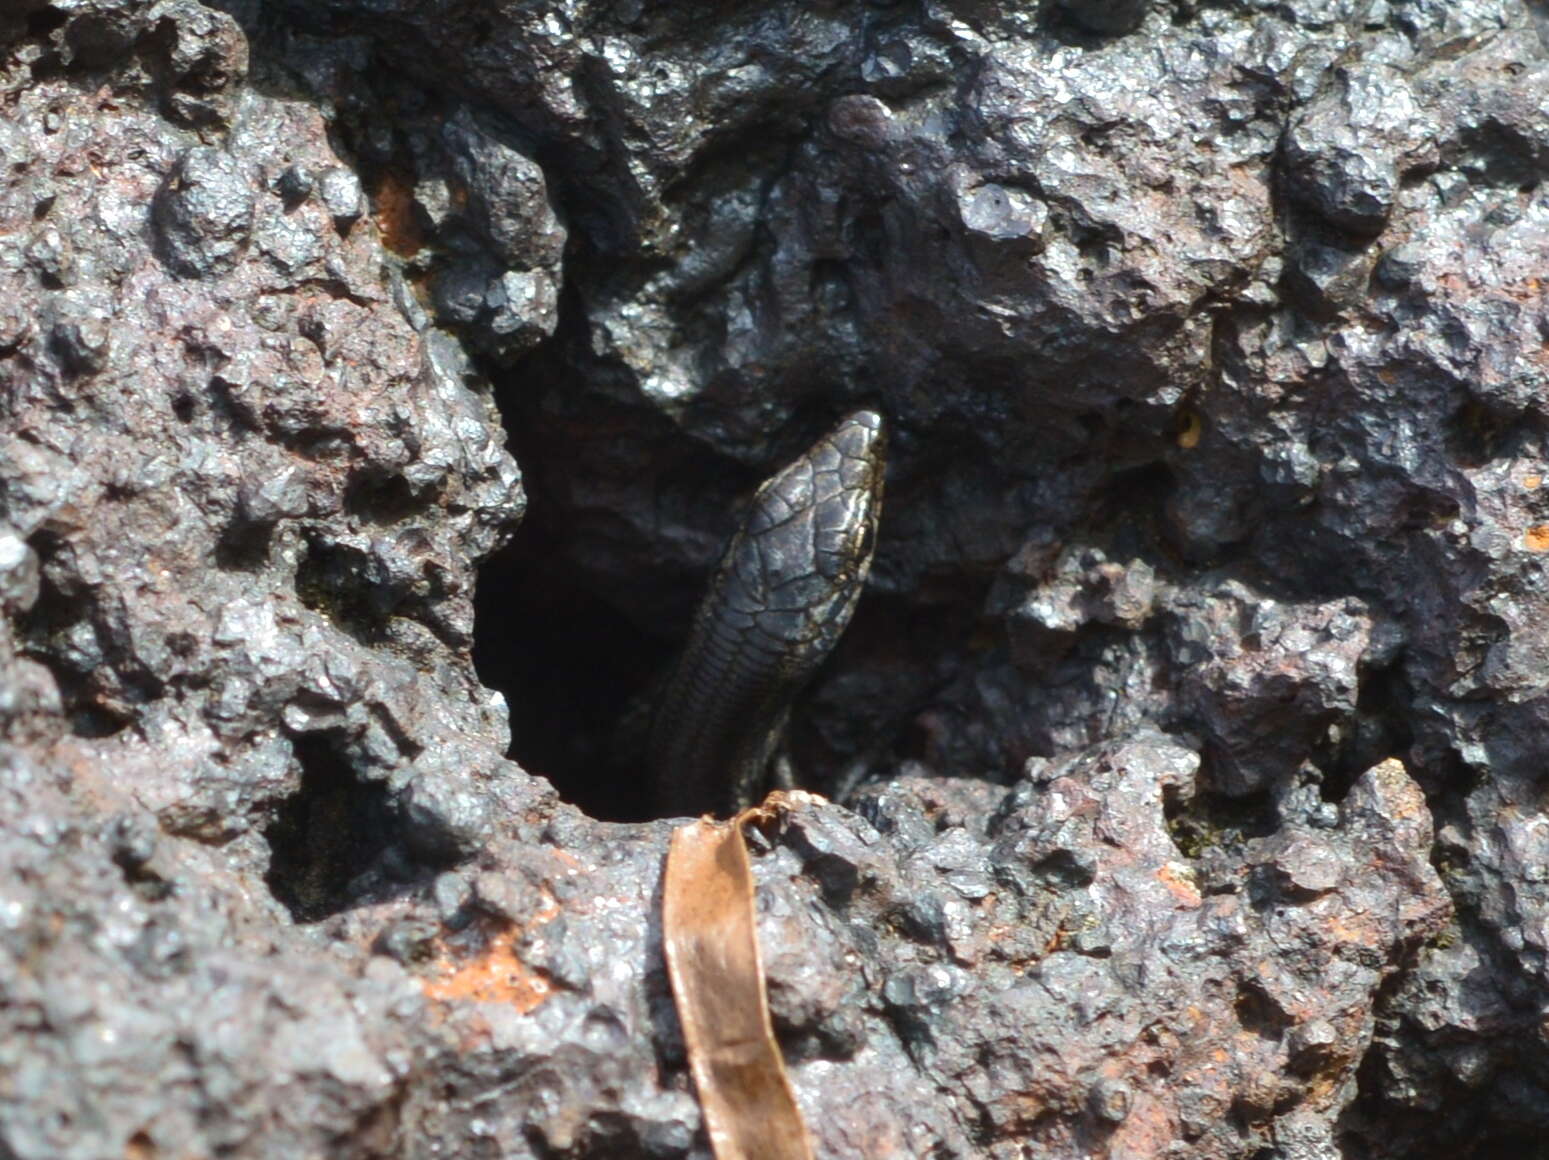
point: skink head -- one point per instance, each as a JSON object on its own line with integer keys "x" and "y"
{"x": 783, "y": 593}
{"x": 804, "y": 552}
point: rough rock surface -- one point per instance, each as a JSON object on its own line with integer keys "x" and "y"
{"x": 1187, "y": 749}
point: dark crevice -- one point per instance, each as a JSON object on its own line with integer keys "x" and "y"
{"x": 333, "y": 579}
{"x": 56, "y": 633}
{"x": 89, "y": 718}
{"x": 43, "y": 21}
{"x": 564, "y": 656}
{"x": 577, "y": 618}
{"x": 1495, "y": 154}
{"x": 1134, "y": 497}
{"x": 568, "y": 664}
{"x": 337, "y": 841}
{"x": 243, "y": 546}
{"x": 1477, "y": 433}
{"x": 1379, "y": 729}
{"x": 566, "y": 628}
{"x": 1259, "y": 1014}
{"x": 381, "y": 498}
{"x": 583, "y": 609}
{"x": 1212, "y": 821}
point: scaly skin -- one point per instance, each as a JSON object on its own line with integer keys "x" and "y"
{"x": 777, "y": 604}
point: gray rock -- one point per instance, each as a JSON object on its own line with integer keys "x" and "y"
{"x": 1186, "y": 746}
{"x": 1344, "y": 149}
{"x": 340, "y": 191}
{"x": 203, "y": 213}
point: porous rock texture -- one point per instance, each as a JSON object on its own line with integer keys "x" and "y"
{"x": 1187, "y": 751}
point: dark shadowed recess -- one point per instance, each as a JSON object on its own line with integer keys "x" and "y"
{"x": 58, "y": 633}
{"x": 337, "y": 841}
{"x": 570, "y": 658}
{"x": 568, "y": 662}
{"x": 578, "y": 616}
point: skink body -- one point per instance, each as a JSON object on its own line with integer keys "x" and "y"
{"x": 778, "y": 602}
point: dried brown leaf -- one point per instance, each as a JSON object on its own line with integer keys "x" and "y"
{"x": 711, "y": 939}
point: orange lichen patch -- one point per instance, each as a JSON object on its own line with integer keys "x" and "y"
{"x": 495, "y": 976}
{"x": 1532, "y": 482}
{"x": 1350, "y": 931}
{"x": 394, "y": 202}
{"x": 1536, "y": 538}
{"x": 1180, "y": 886}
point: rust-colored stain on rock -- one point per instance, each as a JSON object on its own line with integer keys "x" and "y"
{"x": 1178, "y": 882}
{"x": 1537, "y": 538}
{"x": 496, "y": 976}
{"x": 496, "y": 973}
{"x": 393, "y": 200}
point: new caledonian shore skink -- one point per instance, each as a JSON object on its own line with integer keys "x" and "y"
{"x": 777, "y": 604}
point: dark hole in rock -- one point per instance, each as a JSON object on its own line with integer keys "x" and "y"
{"x": 184, "y": 407}
{"x": 1498, "y": 155}
{"x": 1133, "y": 495}
{"x": 56, "y": 632}
{"x": 1427, "y": 510}
{"x": 566, "y": 659}
{"x": 331, "y": 579}
{"x": 1257, "y": 1013}
{"x": 1477, "y": 434}
{"x": 830, "y": 285}
{"x": 1380, "y": 729}
{"x": 381, "y": 498}
{"x": 243, "y": 547}
{"x": 43, "y": 21}
{"x": 337, "y": 841}
{"x": 568, "y": 663}
{"x": 577, "y": 674}
{"x": 585, "y": 607}
{"x": 582, "y": 612}
{"x": 868, "y": 236}
{"x": 91, "y": 720}
{"x": 1209, "y": 820}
